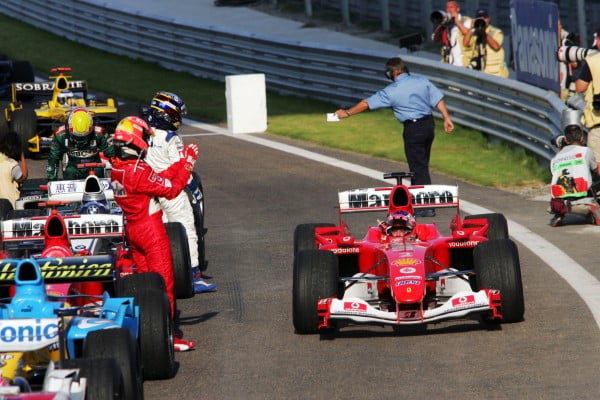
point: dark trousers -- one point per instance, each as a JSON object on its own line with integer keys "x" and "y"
{"x": 418, "y": 138}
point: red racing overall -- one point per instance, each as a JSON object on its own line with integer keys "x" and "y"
{"x": 135, "y": 185}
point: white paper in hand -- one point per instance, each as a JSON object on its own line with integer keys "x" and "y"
{"x": 332, "y": 117}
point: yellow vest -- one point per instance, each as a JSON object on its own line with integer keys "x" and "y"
{"x": 9, "y": 189}
{"x": 591, "y": 117}
{"x": 494, "y": 60}
{"x": 466, "y": 50}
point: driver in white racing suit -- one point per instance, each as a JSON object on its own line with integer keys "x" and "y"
{"x": 164, "y": 117}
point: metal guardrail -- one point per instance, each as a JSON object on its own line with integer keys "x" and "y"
{"x": 521, "y": 114}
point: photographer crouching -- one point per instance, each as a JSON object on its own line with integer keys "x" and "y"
{"x": 450, "y": 29}
{"x": 486, "y": 41}
{"x": 588, "y": 83}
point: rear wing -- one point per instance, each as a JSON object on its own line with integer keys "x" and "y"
{"x": 72, "y": 191}
{"x": 78, "y": 226}
{"x": 377, "y": 199}
{"x": 28, "y": 89}
{"x": 65, "y": 269}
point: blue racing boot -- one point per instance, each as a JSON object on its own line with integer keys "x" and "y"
{"x": 200, "y": 285}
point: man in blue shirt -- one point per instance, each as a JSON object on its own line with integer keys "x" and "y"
{"x": 411, "y": 98}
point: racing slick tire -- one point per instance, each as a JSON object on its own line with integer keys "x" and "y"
{"x": 180, "y": 255}
{"x": 24, "y": 123}
{"x": 156, "y": 334}
{"x": 120, "y": 345}
{"x": 129, "y": 285}
{"x": 316, "y": 276}
{"x": 497, "y": 266}
{"x": 304, "y": 236}
{"x": 156, "y": 325}
{"x": 498, "y": 227}
{"x": 22, "y": 71}
{"x": 104, "y": 379}
{"x": 198, "y": 210}
{"x": 5, "y": 208}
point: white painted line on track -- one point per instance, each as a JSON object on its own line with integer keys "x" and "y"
{"x": 585, "y": 284}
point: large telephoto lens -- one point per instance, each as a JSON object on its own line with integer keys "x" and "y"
{"x": 573, "y": 53}
{"x": 439, "y": 17}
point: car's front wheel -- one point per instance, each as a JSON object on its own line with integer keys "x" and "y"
{"x": 497, "y": 225}
{"x": 304, "y": 236}
{"x": 316, "y": 276}
{"x": 120, "y": 345}
{"x": 497, "y": 266}
{"x": 103, "y": 375}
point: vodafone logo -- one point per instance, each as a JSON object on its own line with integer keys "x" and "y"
{"x": 463, "y": 301}
{"x": 408, "y": 270}
{"x": 355, "y": 306}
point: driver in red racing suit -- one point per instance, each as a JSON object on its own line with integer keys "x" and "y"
{"x": 135, "y": 185}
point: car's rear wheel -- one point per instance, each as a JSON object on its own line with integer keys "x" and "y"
{"x": 304, "y": 236}
{"x": 120, "y": 345}
{"x": 316, "y": 276}
{"x": 24, "y": 123}
{"x": 103, "y": 375}
{"x": 498, "y": 227}
{"x": 497, "y": 266}
{"x": 198, "y": 210}
{"x": 22, "y": 72}
{"x": 156, "y": 324}
{"x": 180, "y": 255}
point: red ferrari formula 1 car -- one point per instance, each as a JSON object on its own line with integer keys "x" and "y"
{"x": 416, "y": 278}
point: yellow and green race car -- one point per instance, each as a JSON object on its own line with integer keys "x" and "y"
{"x": 37, "y": 109}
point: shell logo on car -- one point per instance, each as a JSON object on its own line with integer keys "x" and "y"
{"x": 406, "y": 261}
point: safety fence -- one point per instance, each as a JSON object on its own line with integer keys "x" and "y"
{"x": 517, "y": 113}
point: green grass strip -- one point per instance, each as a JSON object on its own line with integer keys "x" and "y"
{"x": 465, "y": 154}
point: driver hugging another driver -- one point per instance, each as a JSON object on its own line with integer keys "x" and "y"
{"x": 574, "y": 170}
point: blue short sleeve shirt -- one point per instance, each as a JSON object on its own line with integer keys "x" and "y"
{"x": 410, "y": 97}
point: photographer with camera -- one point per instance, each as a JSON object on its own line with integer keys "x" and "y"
{"x": 566, "y": 77}
{"x": 450, "y": 28}
{"x": 574, "y": 174}
{"x": 588, "y": 83}
{"x": 486, "y": 40}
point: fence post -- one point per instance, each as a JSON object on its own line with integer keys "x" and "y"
{"x": 385, "y": 15}
{"x": 308, "y": 8}
{"x": 345, "y": 4}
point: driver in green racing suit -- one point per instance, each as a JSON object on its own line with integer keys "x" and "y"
{"x": 82, "y": 141}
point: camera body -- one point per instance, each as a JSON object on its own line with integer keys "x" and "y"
{"x": 475, "y": 63}
{"x": 573, "y": 54}
{"x": 479, "y": 27}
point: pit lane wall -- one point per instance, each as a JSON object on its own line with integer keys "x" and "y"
{"x": 521, "y": 114}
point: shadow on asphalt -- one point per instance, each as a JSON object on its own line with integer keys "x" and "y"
{"x": 194, "y": 320}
